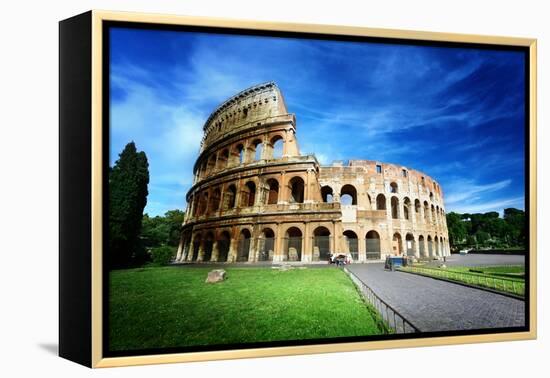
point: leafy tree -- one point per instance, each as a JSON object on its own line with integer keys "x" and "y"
{"x": 128, "y": 180}
{"x": 457, "y": 228}
{"x": 162, "y": 230}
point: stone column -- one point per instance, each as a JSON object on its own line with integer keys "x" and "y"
{"x": 215, "y": 251}
{"x": 278, "y": 253}
{"x": 362, "y": 246}
{"x": 191, "y": 248}
{"x": 307, "y": 253}
{"x": 232, "y": 254}
{"x": 201, "y": 250}
{"x": 283, "y": 190}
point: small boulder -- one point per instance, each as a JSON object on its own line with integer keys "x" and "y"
{"x": 286, "y": 267}
{"x": 216, "y": 275}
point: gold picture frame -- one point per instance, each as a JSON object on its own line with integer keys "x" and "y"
{"x": 89, "y": 328}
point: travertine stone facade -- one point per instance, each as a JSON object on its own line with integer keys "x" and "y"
{"x": 256, "y": 198}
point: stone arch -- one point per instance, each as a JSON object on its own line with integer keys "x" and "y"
{"x": 410, "y": 244}
{"x": 277, "y": 146}
{"x": 203, "y": 203}
{"x": 327, "y": 194}
{"x": 430, "y": 247}
{"x": 273, "y": 191}
{"x": 296, "y": 190}
{"x": 407, "y": 208}
{"x": 431, "y": 196}
{"x": 352, "y": 243}
{"x": 433, "y": 214}
{"x": 397, "y": 244}
{"x": 373, "y": 245}
{"x": 293, "y": 244}
{"x": 208, "y": 246}
{"x": 395, "y": 207}
{"x": 380, "y": 202}
{"x": 441, "y": 246}
{"x": 211, "y": 165}
{"x": 230, "y": 197}
{"x": 215, "y": 201}
{"x": 239, "y": 154}
{"x": 417, "y": 206}
{"x": 224, "y": 242}
{"x": 266, "y": 248}
{"x": 436, "y": 246}
{"x": 421, "y": 246}
{"x": 256, "y": 150}
{"x": 223, "y": 159}
{"x": 248, "y": 194}
{"x": 348, "y": 195}
{"x": 243, "y": 248}
{"x": 394, "y": 188}
{"x": 426, "y": 212}
{"x": 321, "y": 244}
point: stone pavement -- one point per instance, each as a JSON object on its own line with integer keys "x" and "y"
{"x": 434, "y": 305}
{"x": 480, "y": 260}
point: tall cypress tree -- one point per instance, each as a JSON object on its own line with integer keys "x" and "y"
{"x": 128, "y": 181}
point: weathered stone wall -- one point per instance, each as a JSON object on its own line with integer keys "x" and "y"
{"x": 256, "y": 198}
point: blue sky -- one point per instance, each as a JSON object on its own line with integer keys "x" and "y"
{"x": 456, "y": 114}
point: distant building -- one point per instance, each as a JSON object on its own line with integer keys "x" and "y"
{"x": 256, "y": 198}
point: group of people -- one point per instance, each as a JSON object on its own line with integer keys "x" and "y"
{"x": 339, "y": 259}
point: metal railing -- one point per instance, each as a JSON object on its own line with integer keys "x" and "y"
{"x": 495, "y": 283}
{"x": 393, "y": 319}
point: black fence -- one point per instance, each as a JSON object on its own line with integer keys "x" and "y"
{"x": 393, "y": 319}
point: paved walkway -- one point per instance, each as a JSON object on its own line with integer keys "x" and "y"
{"x": 434, "y": 305}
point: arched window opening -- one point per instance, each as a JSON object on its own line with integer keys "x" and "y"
{"x": 327, "y": 194}
{"x": 296, "y": 185}
{"x": 215, "y": 202}
{"x": 248, "y": 194}
{"x": 321, "y": 244}
{"x": 273, "y": 194}
{"x": 277, "y": 143}
{"x": 373, "y": 245}
{"x": 410, "y": 244}
{"x": 421, "y": 246}
{"x": 352, "y": 244}
{"x": 393, "y": 187}
{"x": 258, "y": 149}
{"x": 224, "y": 241}
{"x": 348, "y": 195}
{"x": 243, "y": 248}
{"x": 406, "y": 208}
{"x": 380, "y": 202}
{"x": 397, "y": 244}
{"x": 208, "y": 246}
{"x": 293, "y": 244}
{"x": 395, "y": 208}
{"x": 266, "y": 248}
{"x": 231, "y": 196}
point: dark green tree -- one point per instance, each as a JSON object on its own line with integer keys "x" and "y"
{"x": 457, "y": 228}
{"x": 128, "y": 180}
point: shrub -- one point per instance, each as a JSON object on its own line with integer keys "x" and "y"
{"x": 162, "y": 255}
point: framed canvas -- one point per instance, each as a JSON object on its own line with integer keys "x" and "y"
{"x": 235, "y": 189}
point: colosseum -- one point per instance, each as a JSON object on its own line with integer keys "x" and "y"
{"x": 256, "y": 198}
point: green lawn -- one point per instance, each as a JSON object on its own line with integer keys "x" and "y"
{"x": 509, "y": 279}
{"x": 174, "y": 307}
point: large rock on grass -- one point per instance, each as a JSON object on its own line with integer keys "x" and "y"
{"x": 216, "y": 275}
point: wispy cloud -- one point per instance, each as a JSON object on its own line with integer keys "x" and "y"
{"x": 455, "y": 114}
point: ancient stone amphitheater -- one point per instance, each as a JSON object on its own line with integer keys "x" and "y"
{"x": 256, "y": 198}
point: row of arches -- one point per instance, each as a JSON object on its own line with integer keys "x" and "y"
{"x": 259, "y": 148}
{"x": 230, "y": 196}
{"x": 205, "y": 247}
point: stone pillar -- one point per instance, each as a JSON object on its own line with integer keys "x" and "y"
{"x": 307, "y": 253}
{"x": 191, "y": 248}
{"x": 180, "y": 249}
{"x": 278, "y": 253}
{"x": 201, "y": 250}
{"x": 232, "y": 254}
{"x": 362, "y": 246}
{"x": 215, "y": 251}
{"x": 283, "y": 190}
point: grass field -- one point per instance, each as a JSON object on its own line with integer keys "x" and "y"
{"x": 174, "y": 307}
{"x": 509, "y": 279}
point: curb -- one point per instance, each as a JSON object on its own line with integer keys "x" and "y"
{"x": 509, "y": 295}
